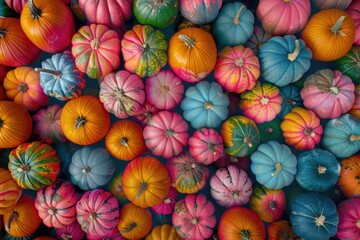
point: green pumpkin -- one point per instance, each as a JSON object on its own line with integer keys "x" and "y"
{"x": 5, "y": 11}
{"x": 270, "y": 131}
{"x": 350, "y": 64}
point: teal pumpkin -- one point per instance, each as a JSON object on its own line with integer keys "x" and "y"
{"x": 284, "y": 60}
{"x": 205, "y": 105}
{"x": 350, "y": 64}
{"x": 270, "y": 131}
{"x": 291, "y": 99}
{"x": 6, "y": 11}
{"x": 91, "y": 168}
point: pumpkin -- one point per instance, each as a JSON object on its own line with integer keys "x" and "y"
{"x": 72, "y": 231}
{"x": 144, "y": 50}
{"x": 15, "y": 124}
{"x": 168, "y": 204}
{"x": 115, "y": 187}
{"x": 125, "y": 140}
{"x": 237, "y": 69}
{"x": 284, "y": 60}
{"x": 269, "y": 204}
{"x": 301, "y": 129}
{"x": 333, "y": 90}
{"x": 200, "y": 11}
{"x": 194, "y": 218}
{"x": 187, "y": 24}
{"x": 76, "y": 10}
{"x": 10, "y": 192}
{"x": 240, "y": 135}
{"x": 56, "y": 204}
{"x": 257, "y": 39}
{"x": 164, "y": 90}
{"x": 205, "y": 105}
{"x": 274, "y": 165}
{"x": 113, "y": 235}
{"x": 270, "y": 131}
{"x": 18, "y": 5}
{"x": 7, "y": 236}
{"x": 34, "y": 165}
{"x": 348, "y": 181}
{"x": 353, "y": 10}
{"x": 22, "y": 86}
{"x": 239, "y": 162}
{"x": 43, "y": 23}
{"x": 3, "y": 71}
{"x": 192, "y": 54}
{"x": 329, "y": 34}
{"x": 326, "y": 4}
{"x": 355, "y": 109}
{"x": 5, "y": 10}
{"x": 314, "y": 216}
{"x": 283, "y": 17}
{"x": 186, "y": 175}
{"x": 233, "y": 26}
{"x": 97, "y": 212}
{"x": 146, "y": 113}
{"x": 84, "y": 120}
{"x": 291, "y": 99}
{"x": 164, "y": 231}
{"x": 231, "y": 186}
{"x": 96, "y": 50}
{"x": 342, "y": 136}
{"x": 16, "y": 48}
{"x": 238, "y": 223}
{"x": 281, "y": 230}
{"x": 156, "y": 13}
{"x": 166, "y": 135}
{"x": 350, "y": 64}
{"x": 349, "y": 215}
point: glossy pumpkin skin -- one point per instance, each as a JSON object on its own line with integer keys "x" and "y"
{"x": 284, "y": 60}
{"x": 168, "y": 204}
{"x": 84, "y": 120}
{"x": 96, "y": 50}
{"x": 200, "y": 11}
{"x": 348, "y": 181}
{"x": 72, "y": 231}
{"x": 10, "y": 192}
{"x": 115, "y": 187}
{"x": 16, "y": 48}
{"x": 194, "y": 217}
{"x": 326, "y": 4}
{"x": 192, "y": 54}
{"x": 164, "y": 231}
{"x": 333, "y": 90}
{"x": 349, "y": 64}
{"x": 146, "y": 181}
{"x": 114, "y": 235}
{"x": 146, "y": 113}
{"x": 34, "y": 165}
{"x": 329, "y": 34}
{"x": 281, "y": 230}
{"x": 314, "y": 216}
{"x": 22, "y": 86}
{"x": 144, "y": 50}
{"x": 355, "y": 109}
{"x": 238, "y": 223}
{"x": 237, "y": 69}
{"x": 187, "y": 24}
{"x": 46, "y": 30}
{"x": 353, "y": 10}
{"x": 257, "y": 39}
{"x": 291, "y": 99}
{"x": 349, "y": 215}
{"x": 6, "y": 11}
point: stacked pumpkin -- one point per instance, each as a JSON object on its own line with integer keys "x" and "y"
{"x": 179, "y": 119}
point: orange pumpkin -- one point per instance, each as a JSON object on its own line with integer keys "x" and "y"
{"x": 84, "y": 120}
{"x": 125, "y": 140}
{"x": 23, "y": 219}
{"x": 349, "y": 182}
{"x": 329, "y": 34}
{"x": 281, "y": 230}
{"x": 134, "y": 222}
{"x": 15, "y": 124}
{"x": 165, "y": 232}
{"x": 10, "y": 192}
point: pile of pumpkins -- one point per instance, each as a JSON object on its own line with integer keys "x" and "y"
{"x": 180, "y": 119}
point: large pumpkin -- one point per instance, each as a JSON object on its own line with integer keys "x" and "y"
{"x": 350, "y": 63}
{"x": 348, "y": 181}
{"x": 355, "y": 109}
{"x": 353, "y": 10}
{"x": 349, "y": 215}
{"x": 10, "y": 192}
{"x": 164, "y": 231}
{"x": 200, "y": 11}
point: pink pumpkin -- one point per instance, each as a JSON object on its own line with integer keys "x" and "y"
{"x": 354, "y": 10}
{"x": 113, "y": 235}
{"x": 167, "y": 134}
{"x": 146, "y": 113}
{"x": 194, "y": 217}
{"x": 18, "y": 5}
{"x": 113, "y": 13}
{"x": 228, "y": 160}
{"x": 98, "y": 212}
{"x": 164, "y": 90}
{"x": 237, "y": 69}
{"x": 167, "y": 206}
{"x": 231, "y": 186}
{"x": 283, "y": 17}
{"x": 326, "y": 4}
{"x": 355, "y": 109}
{"x": 206, "y": 145}
{"x": 70, "y": 232}
{"x": 349, "y": 219}
{"x": 257, "y": 39}
{"x": 122, "y": 93}
{"x": 200, "y": 11}
{"x": 56, "y": 204}
{"x": 333, "y": 91}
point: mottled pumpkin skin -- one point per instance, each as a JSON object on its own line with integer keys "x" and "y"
{"x": 200, "y": 11}
{"x": 348, "y": 181}
{"x": 353, "y": 10}
{"x": 10, "y": 192}
{"x": 164, "y": 231}
{"x": 349, "y": 215}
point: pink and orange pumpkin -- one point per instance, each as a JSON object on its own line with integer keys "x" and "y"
{"x": 349, "y": 219}
{"x": 72, "y": 231}
{"x": 257, "y": 39}
{"x": 348, "y": 181}
{"x": 237, "y": 69}
{"x": 200, "y": 11}
{"x": 10, "y": 192}
{"x": 281, "y": 230}
{"x": 146, "y": 113}
{"x": 168, "y": 204}
{"x": 355, "y": 109}
{"x": 354, "y": 10}
{"x": 194, "y": 217}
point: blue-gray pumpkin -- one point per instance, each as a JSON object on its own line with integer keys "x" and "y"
{"x": 291, "y": 99}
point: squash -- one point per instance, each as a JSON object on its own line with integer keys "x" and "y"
{"x": 18, "y": 5}
{"x": 10, "y": 192}
{"x": 350, "y": 64}
{"x": 329, "y": 34}
{"x": 192, "y": 54}
{"x": 167, "y": 205}
{"x": 326, "y": 4}
{"x": 257, "y": 39}
{"x": 34, "y": 165}
{"x": 348, "y": 181}
{"x": 355, "y": 109}
{"x": 271, "y": 131}
{"x": 76, "y": 10}
{"x": 115, "y": 187}
{"x": 353, "y": 10}
{"x": 239, "y": 162}
{"x": 188, "y": 24}
{"x": 164, "y": 231}
{"x": 114, "y": 234}
{"x": 291, "y": 99}
{"x": 349, "y": 215}
{"x": 146, "y": 113}
{"x": 281, "y": 230}
{"x": 200, "y": 11}
{"x": 6, "y": 11}
{"x": 205, "y": 105}
{"x": 72, "y": 231}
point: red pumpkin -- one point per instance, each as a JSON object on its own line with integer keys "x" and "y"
{"x": 70, "y": 232}
{"x": 10, "y": 192}
{"x": 228, "y": 160}
{"x": 355, "y": 109}
{"x": 281, "y": 230}
{"x": 349, "y": 219}
{"x": 168, "y": 204}
{"x": 354, "y": 10}
{"x": 146, "y": 113}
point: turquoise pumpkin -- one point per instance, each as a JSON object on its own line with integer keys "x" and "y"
{"x": 200, "y": 11}
{"x": 274, "y": 165}
{"x": 317, "y": 170}
{"x": 291, "y": 99}
{"x": 233, "y": 26}
{"x": 314, "y": 216}
{"x": 284, "y": 60}
{"x": 205, "y": 105}
{"x": 91, "y": 168}
{"x": 342, "y": 136}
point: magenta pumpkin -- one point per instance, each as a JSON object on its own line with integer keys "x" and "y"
{"x": 167, "y": 206}
{"x": 354, "y": 10}
{"x": 146, "y": 113}
{"x": 228, "y": 160}
{"x": 194, "y": 217}
{"x": 70, "y": 232}
{"x": 257, "y": 39}
{"x": 113, "y": 235}
{"x": 18, "y": 5}
{"x": 166, "y": 134}
{"x": 349, "y": 219}
{"x": 164, "y": 90}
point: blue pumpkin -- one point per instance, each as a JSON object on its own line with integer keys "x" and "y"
{"x": 274, "y": 165}
{"x": 91, "y": 168}
{"x": 314, "y": 216}
{"x": 291, "y": 99}
{"x": 317, "y": 170}
{"x": 205, "y": 105}
{"x": 284, "y": 60}
{"x": 342, "y": 136}
{"x": 233, "y": 26}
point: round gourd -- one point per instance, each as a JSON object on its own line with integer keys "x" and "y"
{"x": 257, "y": 39}
{"x": 115, "y": 187}
{"x": 270, "y": 131}
{"x": 18, "y": 5}
{"x": 72, "y": 231}
{"x": 200, "y": 11}
{"x": 6, "y": 11}
{"x": 281, "y": 230}
{"x": 348, "y": 181}
{"x": 239, "y": 162}
{"x": 353, "y": 10}
{"x": 291, "y": 99}
{"x": 326, "y": 4}
{"x": 187, "y": 24}
{"x": 114, "y": 234}
{"x": 355, "y": 109}
{"x": 10, "y": 192}
{"x": 164, "y": 231}
{"x": 350, "y": 64}
{"x": 146, "y": 113}
{"x": 349, "y": 215}
{"x": 168, "y": 204}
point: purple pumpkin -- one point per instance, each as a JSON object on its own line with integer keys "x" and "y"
{"x": 200, "y": 11}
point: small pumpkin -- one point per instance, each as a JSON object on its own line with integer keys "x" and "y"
{"x": 18, "y": 5}
{"x": 350, "y": 64}
{"x": 113, "y": 235}
{"x": 349, "y": 215}
{"x": 164, "y": 231}
{"x": 281, "y": 230}
{"x": 200, "y": 11}
{"x": 353, "y": 10}
{"x": 355, "y": 109}
{"x": 326, "y": 4}
{"x": 72, "y": 231}
{"x": 187, "y": 24}
{"x": 270, "y": 131}
{"x": 348, "y": 181}
{"x": 145, "y": 114}
{"x": 76, "y": 10}
{"x": 116, "y": 188}
{"x": 5, "y": 10}
{"x": 257, "y": 39}
{"x": 291, "y": 99}
{"x": 10, "y": 192}
{"x": 239, "y": 162}
{"x": 168, "y": 204}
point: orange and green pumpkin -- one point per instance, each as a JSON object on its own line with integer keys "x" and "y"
{"x": 10, "y": 192}
{"x": 165, "y": 232}
{"x": 349, "y": 181}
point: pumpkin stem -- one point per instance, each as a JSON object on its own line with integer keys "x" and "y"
{"x": 321, "y": 169}
{"x": 80, "y": 121}
{"x": 358, "y": 223}
{"x": 354, "y": 137}
{"x": 2, "y": 32}
{"x": 235, "y": 194}
{"x": 269, "y": 130}
{"x": 309, "y": 132}
{"x": 233, "y": 159}
{"x": 66, "y": 236}
{"x": 124, "y": 141}
{"x": 93, "y": 215}
{"x": 95, "y": 43}
{"x": 164, "y": 89}
{"x": 86, "y": 170}
{"x": 169, "y": 132}
{"x": 35, "y": 12}
{"x": 14, "y": 215}
{"x": 142, "y": 188}
{"x": 245, "y": 235}
{"x": 23, "y": 168}
{"x": 209, "y": 105}
{"x": 1, "y": 122}
{"x": 194, "y": 221}
{"x": 289, "y": 101}
{"x": 334, "y": 90}
{"x": 188, "y": 41}
{"x": 278, "y": 168}
{"x": 52, "y": 211}
{"x": 336, "y": 28}
{"x": 56, "y": 74}
{"x": 50, "y": 117}
{"x": 264, "y": 100}
{"x": 22, "y": 87}
{"x": 130, "y": 228}
{"x": 158, "y": 1}
{"x": 319, "y": 221}
{"x": 145, "y": 47}
{"x": 292, "y": 56}
{"x": 236, "y": 20}
{"x": 272, "y": 205}
{"x": 212, "y": 148}
{"x": 167, "y": 200}
{"x": 239, "y": 62}
{"x": 247, "y": 141}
